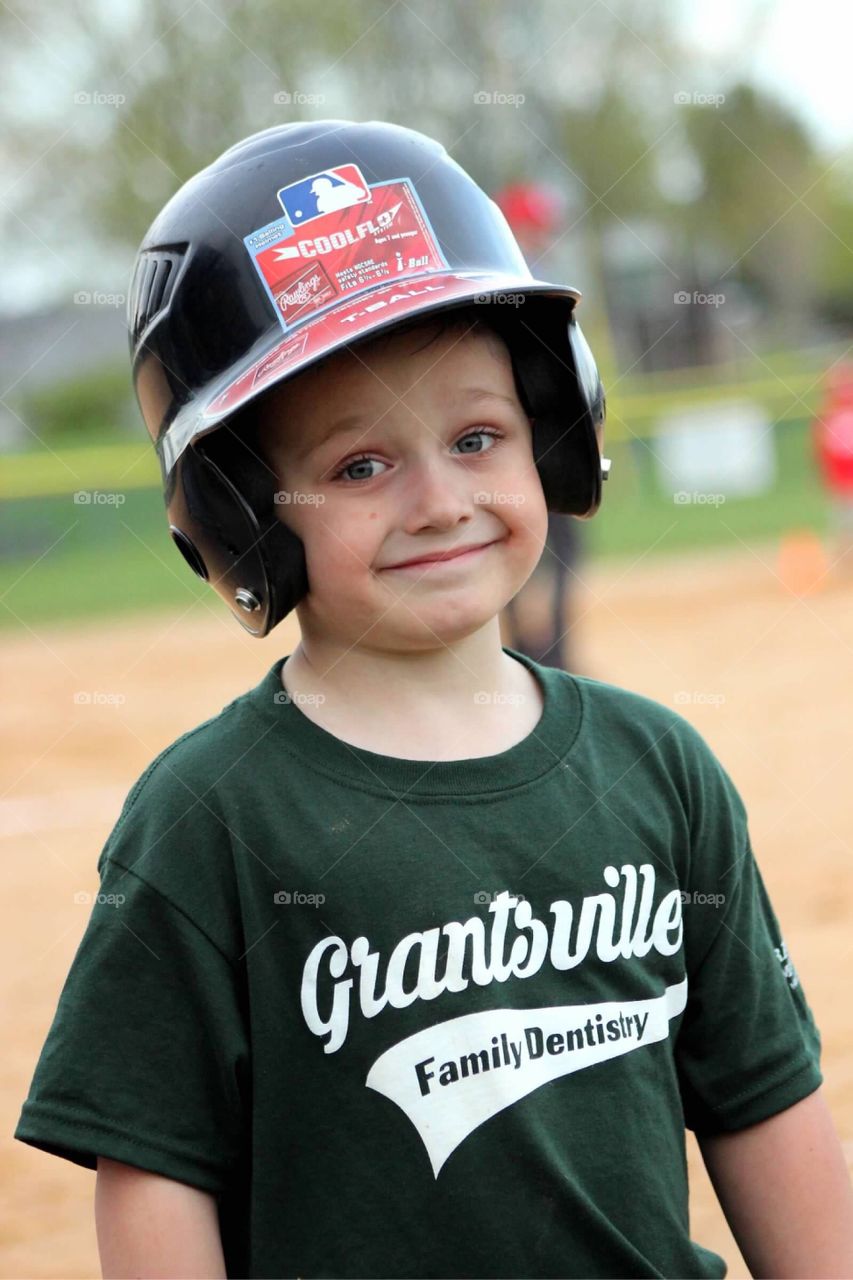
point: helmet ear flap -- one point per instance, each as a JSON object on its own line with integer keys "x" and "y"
{"x": 235, "y": 449}
{"x": 225, "y": 494}
{"x": 566, "y": 403}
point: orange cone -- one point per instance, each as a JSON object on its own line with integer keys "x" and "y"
{"x": 803, "y": 562}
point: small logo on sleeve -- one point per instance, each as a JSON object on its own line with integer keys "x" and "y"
{"x": 781, "y": 953}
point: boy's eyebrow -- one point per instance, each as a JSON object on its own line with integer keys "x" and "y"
{"x": 351, "y": 420}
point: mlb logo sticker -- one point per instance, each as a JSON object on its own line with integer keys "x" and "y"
{"x": 323, "y": 192}
{"x": 378, "y": 234}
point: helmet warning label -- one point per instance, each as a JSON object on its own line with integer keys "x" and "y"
{"x": 340, "y": 236}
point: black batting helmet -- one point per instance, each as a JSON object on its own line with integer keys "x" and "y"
{"x": 298, "y": 241}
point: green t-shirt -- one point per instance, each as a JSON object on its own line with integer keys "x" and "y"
{"x": 413, "y": 1018}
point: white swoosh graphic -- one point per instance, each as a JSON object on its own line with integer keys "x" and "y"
{"x": 450, "y": 1078}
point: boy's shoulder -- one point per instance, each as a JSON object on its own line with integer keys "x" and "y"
{"x": 187, "y": 776}
{"x": 195, "y": 755}
{"x": 647, "y": 756}
{"x": 614, "y": 704}
{"x": 623, "y": 728}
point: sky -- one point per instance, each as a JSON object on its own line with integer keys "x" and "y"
{"x": 799, "y": 50}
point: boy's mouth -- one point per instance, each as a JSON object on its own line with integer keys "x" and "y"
{"x": 441, "y": 558}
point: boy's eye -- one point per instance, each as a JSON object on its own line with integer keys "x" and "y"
{"x": 473, "y": 435}
{"x": 365, "y": 460}
{"x": 357, "y": 462}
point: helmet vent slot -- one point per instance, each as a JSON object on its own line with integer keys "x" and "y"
{"x": 152, "y": 286}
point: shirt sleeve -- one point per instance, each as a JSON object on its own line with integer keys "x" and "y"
{"x": 147, "y": 1058}
{"x": 748, "y": 1046}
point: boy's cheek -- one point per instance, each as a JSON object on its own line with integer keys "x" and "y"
{"x": 531, "y": 529}
{"x": 336, "y": 555}
{"x": 287, "y": 513}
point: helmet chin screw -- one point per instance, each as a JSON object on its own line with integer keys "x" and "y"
{"x": 247, "y": 599}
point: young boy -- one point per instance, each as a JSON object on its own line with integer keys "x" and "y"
{"x": 416, "y": 959}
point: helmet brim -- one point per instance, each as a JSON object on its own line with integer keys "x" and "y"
{"x": 370, "y": 312}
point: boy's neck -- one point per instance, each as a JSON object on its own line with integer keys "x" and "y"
{"x": 459, "y": 701}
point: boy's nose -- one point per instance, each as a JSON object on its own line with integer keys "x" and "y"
{"x": 440, "y": 492}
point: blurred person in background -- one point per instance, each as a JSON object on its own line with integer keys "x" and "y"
{"x": 833, "y": 444}
{"x": 537, "y": 619}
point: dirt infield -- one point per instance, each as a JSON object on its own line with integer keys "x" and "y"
{"x": 763, "y": 674}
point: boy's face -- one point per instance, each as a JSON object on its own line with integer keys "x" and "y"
{"x": 446, "y": 462}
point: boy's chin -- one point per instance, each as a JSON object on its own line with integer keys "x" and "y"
{"x": 420, "y": 622}
{"x": 428, "y": 628}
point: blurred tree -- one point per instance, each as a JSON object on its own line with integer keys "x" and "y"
{"x": 756, "y": 161}
{"x": 832, "y": 197}
{"x": 598, "y": 116}
{"x": 193, "y": 79}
